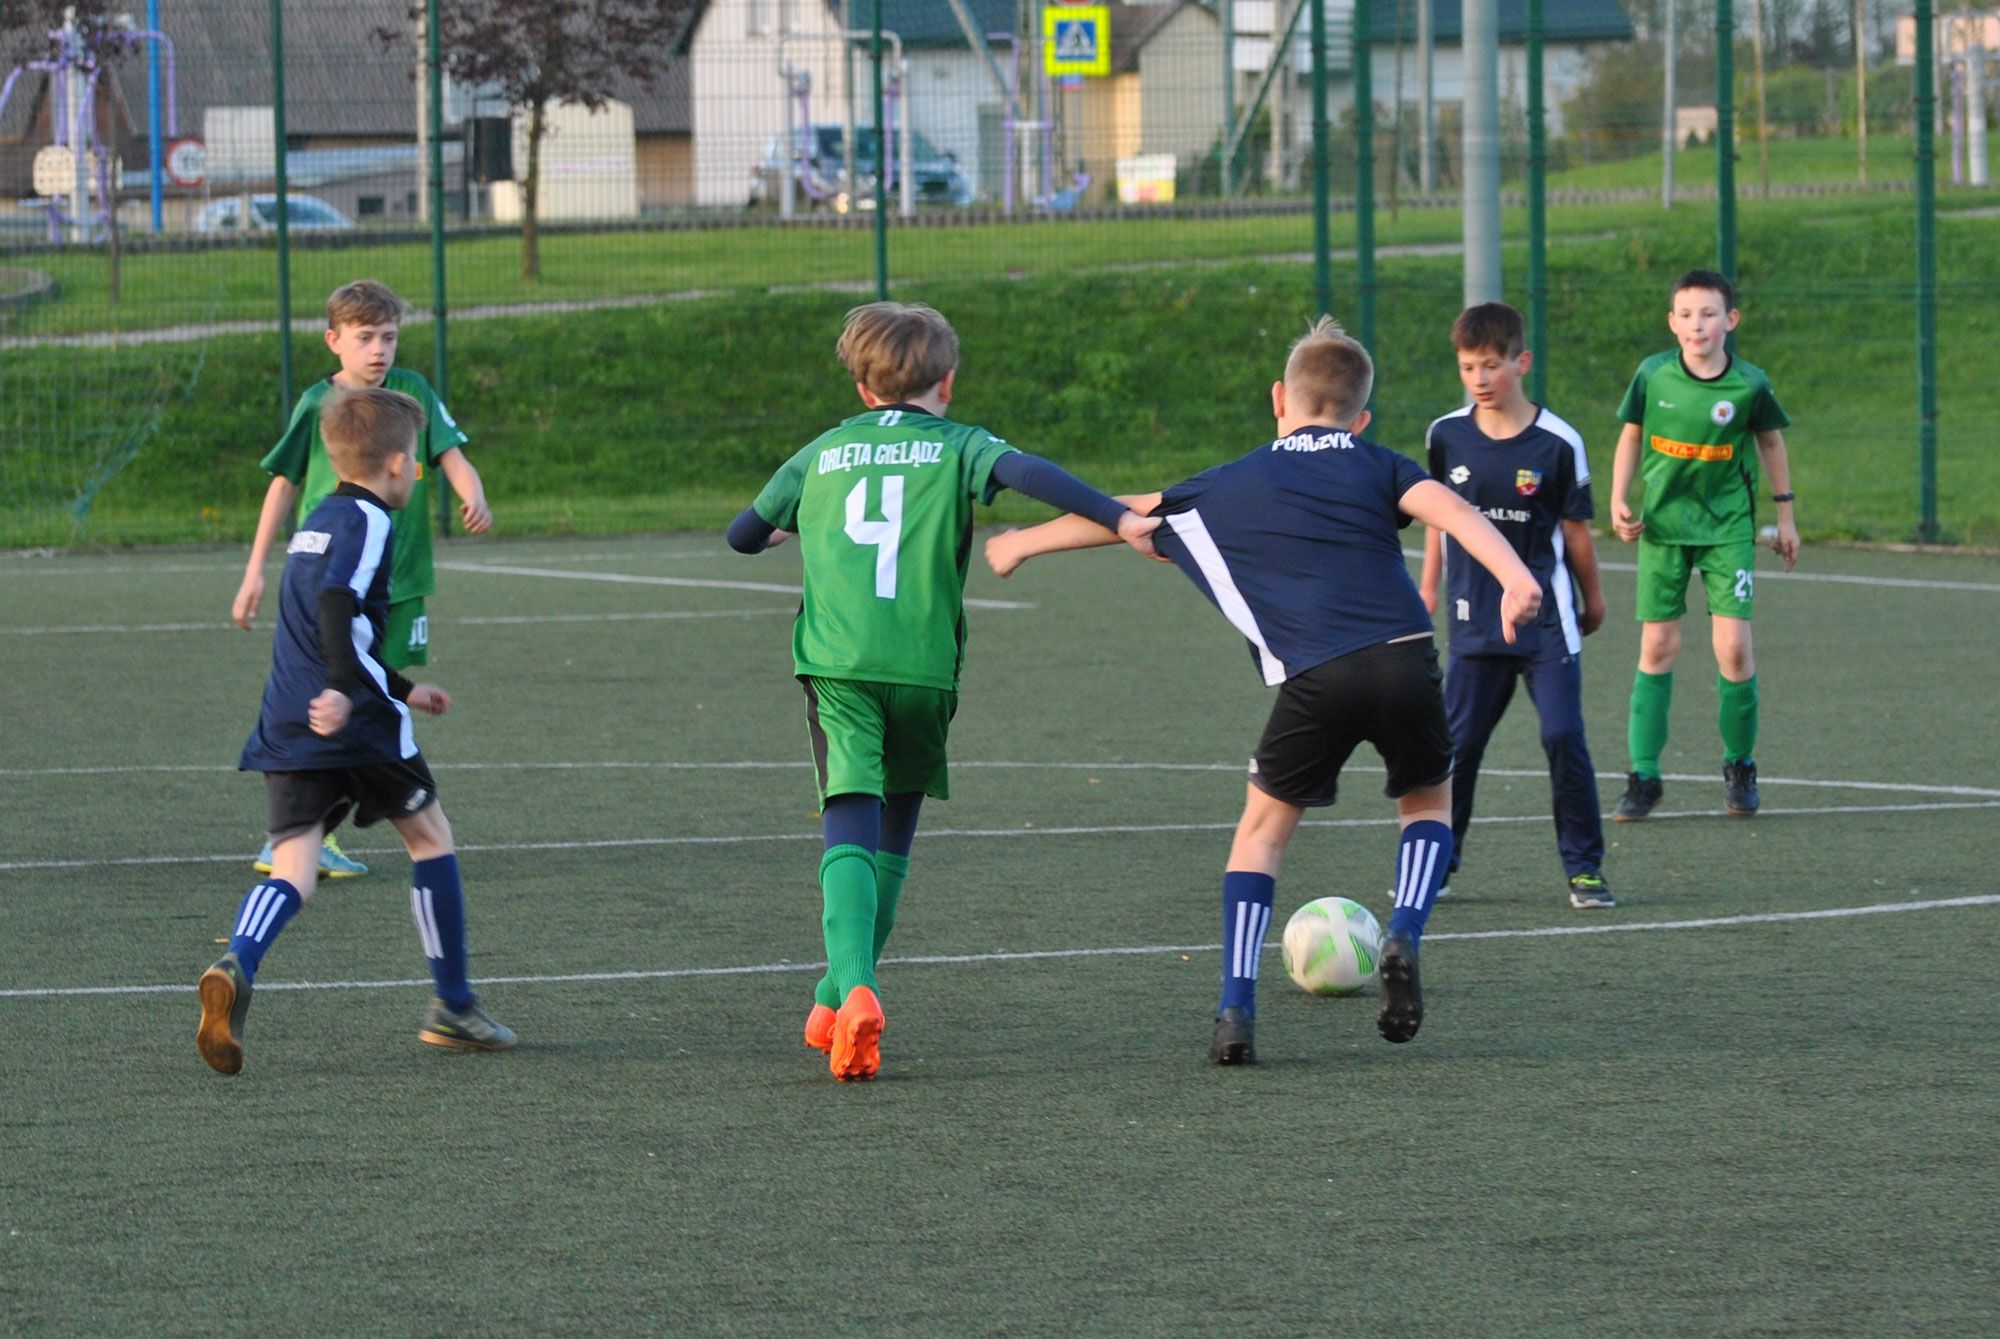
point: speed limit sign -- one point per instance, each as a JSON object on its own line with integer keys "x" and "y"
{"x": 187, "y": 161}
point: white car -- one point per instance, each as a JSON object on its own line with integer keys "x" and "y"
{"x": 303, "y": 213}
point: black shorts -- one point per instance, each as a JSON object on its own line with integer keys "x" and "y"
{"x": 1389, "y": 695}
{"x": 298, "y": 801}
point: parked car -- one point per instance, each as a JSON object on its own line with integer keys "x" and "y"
{"x": 303, "y": 213}
{"x": 935, "y": 175}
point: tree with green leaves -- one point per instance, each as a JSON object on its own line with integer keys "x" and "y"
{"x": 538, "y": 53}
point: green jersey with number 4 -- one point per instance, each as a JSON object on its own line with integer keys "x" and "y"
{"x": 882, "y": 506}
{"x": 301, "y": 457}
{"x": 1698, "y": 447}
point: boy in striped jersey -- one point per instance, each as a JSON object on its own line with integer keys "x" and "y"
{"x": 1525, "y": 470}
{"x": 333, "y": 737}
{"x": 1297, "y": 544}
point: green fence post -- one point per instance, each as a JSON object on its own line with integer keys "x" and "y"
{"x": 881, "y": 160}
{"x": 284, "y": 208}
{"x": 1322, "y": 231}
{"x": 1364, "y": 171}
{"x": 434, "y": 79}
{"x": 1927, "y": 517}
{"x": 1725, "y": 140}
{"x": 1538, "y": 237}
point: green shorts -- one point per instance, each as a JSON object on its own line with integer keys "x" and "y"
{"x": 406, "y": 637}
{"x": 878, "y": 739}
{"x": 1728, "y": 576}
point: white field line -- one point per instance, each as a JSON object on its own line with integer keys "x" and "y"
{"x": 494, "y": 620}
{"x": 631, "y": 579}
{"x": 1037, "y": 955}
{"x": 796, "y": 764}
{"x": 939, "y": 834}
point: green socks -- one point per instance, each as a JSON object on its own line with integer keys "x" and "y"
{"x": 890, "y": 871}
{"x": 1737, "y": 715}
{"x": 1646, "y": 728}
{"x": 847, "y": 882}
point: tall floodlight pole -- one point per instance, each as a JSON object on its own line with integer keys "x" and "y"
{"x": 1322, "y": 224}
{"x": 881, "y": 158}
{"x": 1725, "y": 139}
{"x": 284, "y": 206}
{"x": 1538, "y": 241}
{"x": 1861, "y": 88}
{"x": 1927, "y": 519}
{"x": 1427, "y": 108}
{"x": 1481, "y": 151}
{"x": 1669, "y": 129}
{"x": 1364, "y": 171}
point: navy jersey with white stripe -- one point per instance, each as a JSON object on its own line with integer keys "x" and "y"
{"x": 1527, "y": 485}
{"x": 343, "y": 544}
{"x": 1297, "y": 544}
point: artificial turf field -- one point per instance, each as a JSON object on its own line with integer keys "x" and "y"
{"x": 1758, "y": 1097}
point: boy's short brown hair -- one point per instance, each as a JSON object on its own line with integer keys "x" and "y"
{"x": 1490, "y": 327}
{"x": 364, "y": 302}
{"x": 1328, "y": 375}
{"x": 897, "y": 350}
{"x": 1710, "y": 280}
{"x": 362, "y": 429}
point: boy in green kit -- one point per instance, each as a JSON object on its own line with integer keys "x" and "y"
{"x": 362, "y": 322}
{"x": 1691, "y": 417}
{"x": 882, "y": 507}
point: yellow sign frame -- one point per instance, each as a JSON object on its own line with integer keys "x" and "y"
{"x": 1099, "y": 16}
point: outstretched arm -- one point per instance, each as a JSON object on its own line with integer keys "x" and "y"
{"x": 465, "y": 482}
{"x": 1046, "y": 481}
{"x": 1625, "y": 522}
{"x": 1521, "y": 595}
{"x": 278, "y": 500}
{"x": 1009, "y": 549}
{"x": 1778, "y": 470}
{"x": 1427, "y": 584}
{"x": 751, "y": 533}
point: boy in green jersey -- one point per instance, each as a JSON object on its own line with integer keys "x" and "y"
{"x": 1691, "y": 417}
{"x": 362, "y": 321}
{"x": 882, "y": 507}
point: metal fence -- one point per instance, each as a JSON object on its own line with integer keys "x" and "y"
{"x": 173, "y": 188}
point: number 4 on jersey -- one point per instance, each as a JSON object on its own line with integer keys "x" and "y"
{"x": 886, "y": 534}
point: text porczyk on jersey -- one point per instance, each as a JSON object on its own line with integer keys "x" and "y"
{"x": 1314, "y": 440}
{"x": 852, "y": 455}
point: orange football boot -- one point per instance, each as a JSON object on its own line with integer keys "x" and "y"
{"x": 857, "y": 1037}
{"x": 819, "y": 1028}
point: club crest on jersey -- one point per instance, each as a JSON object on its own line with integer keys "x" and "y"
{"x": 1527, "y": 482}
{"x": 1459, "y": 474}
{"x": 1722, "y": 411}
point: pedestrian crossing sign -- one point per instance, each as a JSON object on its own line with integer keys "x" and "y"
{"x": 1076, "y": 39}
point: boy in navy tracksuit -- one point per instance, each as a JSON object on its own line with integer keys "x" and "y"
{"x": 1525, "y": 470}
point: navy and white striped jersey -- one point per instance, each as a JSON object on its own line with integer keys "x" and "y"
{"x": 1297, "y": 545}
{"x": 344, "y": 543}
{"x": 1527, "y": 485}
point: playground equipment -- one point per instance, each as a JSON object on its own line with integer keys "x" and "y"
{"x": 73, "y": 169}
{"x": 800, "y": 151}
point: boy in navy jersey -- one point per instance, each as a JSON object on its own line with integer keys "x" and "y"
{"x": 1525, "y": 470}
{"x": 333, "y": 738}
{"x": 1297, "y": 544}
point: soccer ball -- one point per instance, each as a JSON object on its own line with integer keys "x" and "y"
{"x": 1330, "y": 946}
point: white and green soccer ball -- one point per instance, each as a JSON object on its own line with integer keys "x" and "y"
{"x": 1331, "y": 945}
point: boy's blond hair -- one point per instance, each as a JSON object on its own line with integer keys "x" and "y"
{"x": 364, "y": 302}
{"x": 897, "y": 350}
{"x": 1328, "y": 374}
{"x": 362, "y": 429}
